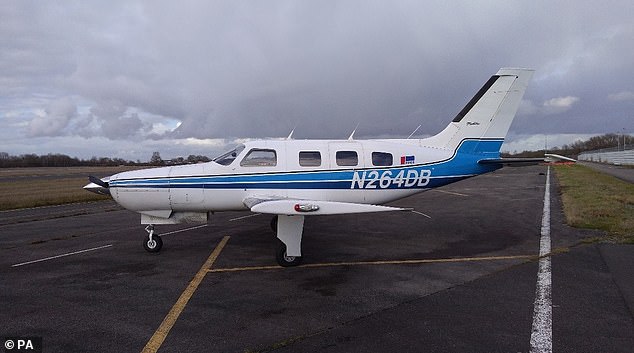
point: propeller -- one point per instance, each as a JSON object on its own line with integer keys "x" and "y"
{"x": 98, "y": 181}
{"x": 97, "y": 186}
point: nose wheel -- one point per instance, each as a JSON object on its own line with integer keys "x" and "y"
{"x": 153, "y": 243}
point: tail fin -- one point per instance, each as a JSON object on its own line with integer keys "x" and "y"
{"x": 489, "y": 114}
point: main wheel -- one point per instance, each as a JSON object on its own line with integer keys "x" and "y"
{"x": 274, "y": 224}
{"x": 283, "y": 259}
{"x": 153, "y": 245}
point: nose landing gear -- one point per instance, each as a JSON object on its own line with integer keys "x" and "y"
{"x": 153, "y": 243}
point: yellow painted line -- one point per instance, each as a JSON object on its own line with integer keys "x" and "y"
{"x": 386, "y": 262}
{"x": 161, "y": 333}
{"x": 450, "y": 192}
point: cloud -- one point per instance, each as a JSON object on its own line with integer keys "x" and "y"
{"x": 232, "y": 69}
{"x": 621, "y": 96}
{"x": 55, "y": 119}
{"x": 558, "y": 105}
{"x": 121, "y": 127}
{"x": 561, "y": 102}
{"x": 548, "y": 107}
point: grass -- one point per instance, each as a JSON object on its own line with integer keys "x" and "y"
{"x": 33, "y": 187}
{"x": 594, "y": 200}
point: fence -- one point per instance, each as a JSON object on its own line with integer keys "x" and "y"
{"x": 615, "y": 155}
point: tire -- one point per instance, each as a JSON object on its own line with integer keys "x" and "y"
{"x": 153, "y": 246}
{"x": 274, "y": 224}
{"x": 284, "y": 260}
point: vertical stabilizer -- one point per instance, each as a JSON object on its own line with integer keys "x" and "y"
{"x": 489, "y": 114}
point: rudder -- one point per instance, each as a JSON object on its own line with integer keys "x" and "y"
{"x": 489, "y": 114}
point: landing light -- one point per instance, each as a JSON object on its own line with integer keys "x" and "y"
{"x": 306, "y": 207}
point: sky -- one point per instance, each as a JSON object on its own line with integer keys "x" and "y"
{"x": 127, "y": 78}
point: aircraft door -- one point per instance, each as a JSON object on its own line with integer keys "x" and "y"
{"x": 347, "y": 157}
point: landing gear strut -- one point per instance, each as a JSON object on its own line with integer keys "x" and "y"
{"x": 289, "y": 232}
{"x": 153, "y": 243}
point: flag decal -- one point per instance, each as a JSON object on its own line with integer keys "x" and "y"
{"x": 407, "y": 159}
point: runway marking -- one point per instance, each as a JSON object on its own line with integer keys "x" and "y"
{"x": 542, "y": 330}
{"x": 374, "y": 263}
{"x": 183, "y": 230}
{"x": 161, "y": 333}
{"x": 450, "y": 192}
{"x": 421, "y": 213}
{"x": 243, "y": 217}
{"x": 62, "y": 255}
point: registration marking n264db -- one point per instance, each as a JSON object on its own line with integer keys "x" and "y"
{"x": 374, "y": 179}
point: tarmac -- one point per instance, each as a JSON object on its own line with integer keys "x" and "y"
{"x": 458, "y": 275}
{"x": 625, "y": 173}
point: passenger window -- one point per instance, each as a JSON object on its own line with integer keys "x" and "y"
{"x": 382, "y": 159}
{"x": 310, "y": 159}
{"x": 347, "y": 158}
{"x": 260, "y": 158}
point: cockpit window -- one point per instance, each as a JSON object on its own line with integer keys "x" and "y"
{"x": 259, "y": 158}
{"x": 229, "y": 157}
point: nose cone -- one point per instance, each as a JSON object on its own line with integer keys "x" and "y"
{"x": 98, "y": 186}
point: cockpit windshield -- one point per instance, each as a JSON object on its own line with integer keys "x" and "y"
{"x": 229, "y": 157}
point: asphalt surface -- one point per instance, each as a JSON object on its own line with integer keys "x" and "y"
{"x": 619, "y": 171}
{"x": 470, "y": 288}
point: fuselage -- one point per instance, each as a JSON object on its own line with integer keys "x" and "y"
{"x": 357, "y": 171}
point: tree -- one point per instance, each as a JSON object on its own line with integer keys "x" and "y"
{"x": 156, "y": 159}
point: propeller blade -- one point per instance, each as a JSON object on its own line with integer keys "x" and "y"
{"x": 98, "y": 181}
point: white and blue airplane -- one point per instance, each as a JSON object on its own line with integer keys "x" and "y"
{"x": 291, "y": 179}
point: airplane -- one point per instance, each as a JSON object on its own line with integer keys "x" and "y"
{"x": 291, "y": 179}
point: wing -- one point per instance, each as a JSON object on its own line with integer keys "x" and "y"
{"x": 312, "y": 207}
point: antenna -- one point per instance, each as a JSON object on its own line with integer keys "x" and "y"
{"x": 413, "y": 132}
{"x": 350, "y": 138}
{"x": 290, "y": 136}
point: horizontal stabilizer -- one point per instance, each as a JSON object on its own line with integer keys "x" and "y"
{"x": 512, "y": 161}
{"x": 551, "y": 157}
{"x": 311, "y": 207}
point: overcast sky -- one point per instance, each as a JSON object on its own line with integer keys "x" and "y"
{"x": 124, "y": 79}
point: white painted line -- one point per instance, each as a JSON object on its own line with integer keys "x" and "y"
{"x": 62, "y": 255}
{"x": 542, "y": 332}
{"x": 421, "y": 213}
{"x": 450, "y": 192}
{"x": 182, "y": 230}
{"x": 243, "y": 217}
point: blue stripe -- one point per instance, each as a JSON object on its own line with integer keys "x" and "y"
{"x": 461, "y": 165}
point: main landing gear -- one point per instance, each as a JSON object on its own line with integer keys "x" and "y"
{"x": 283, "y": 259}
{"x": 289, "y": 232}
{"x": 153, "y": 243}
